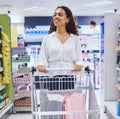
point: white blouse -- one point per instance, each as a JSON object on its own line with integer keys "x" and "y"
{"x": 55, "y": 54}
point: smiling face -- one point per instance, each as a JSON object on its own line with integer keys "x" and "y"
{"x": 60, "y": 18}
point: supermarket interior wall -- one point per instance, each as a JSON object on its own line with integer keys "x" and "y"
{"x": 31, "y": 22}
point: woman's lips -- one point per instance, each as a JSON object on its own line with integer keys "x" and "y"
{"x": 56, "y": 20}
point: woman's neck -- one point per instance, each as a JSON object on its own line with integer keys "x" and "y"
{"x": 61, "y": 31}
{"x": 62, "y": 35}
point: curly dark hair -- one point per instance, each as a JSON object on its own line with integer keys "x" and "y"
{"x": 71, "y": 27}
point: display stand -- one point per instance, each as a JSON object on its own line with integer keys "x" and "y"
{"x": 21, "y": 80}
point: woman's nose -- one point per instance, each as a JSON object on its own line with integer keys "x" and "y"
{"x": 56, "y": 16}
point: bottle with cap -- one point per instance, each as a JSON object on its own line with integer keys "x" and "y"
{"x": 118, "y": 107}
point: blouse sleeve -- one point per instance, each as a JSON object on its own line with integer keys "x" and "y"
{"x": 79, "y": 59}
{"x": 43, "y": 54}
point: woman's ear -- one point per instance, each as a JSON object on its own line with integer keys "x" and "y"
{"x": 67, "y": 22}
{"x": 68, "y": 19}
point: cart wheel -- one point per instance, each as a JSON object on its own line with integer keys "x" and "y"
{"x": 33, "y": 117}
{"x": 14, "y": 112}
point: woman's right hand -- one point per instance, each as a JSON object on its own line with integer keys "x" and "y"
{"x": 41, "y": 68}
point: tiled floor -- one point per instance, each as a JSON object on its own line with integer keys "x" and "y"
{"x": 29, "y": 115}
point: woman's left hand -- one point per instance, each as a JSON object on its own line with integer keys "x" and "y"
{"x": 78, "y": 67}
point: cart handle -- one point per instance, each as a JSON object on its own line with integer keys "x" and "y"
{"x": 59, "y": 69}
{"x": 86, "y": 69}
{"x": 53, "y": 69}
{"x": 34, "y": 69}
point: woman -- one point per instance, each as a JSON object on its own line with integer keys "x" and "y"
{"x": 61, "y": 48}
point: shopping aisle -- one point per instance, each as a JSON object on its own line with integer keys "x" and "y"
{"x": 29, "y": 115}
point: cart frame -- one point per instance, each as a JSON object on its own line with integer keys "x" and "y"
{"x": 92, "y": 110}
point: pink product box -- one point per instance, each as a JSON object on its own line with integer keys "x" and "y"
{"x": 26, "y": 79}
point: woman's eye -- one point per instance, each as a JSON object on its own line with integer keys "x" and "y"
{"x": 60, "y": 15}
{"x": 54, "y": 15}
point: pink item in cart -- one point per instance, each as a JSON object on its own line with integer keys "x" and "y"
{"x": 74, "y": 102}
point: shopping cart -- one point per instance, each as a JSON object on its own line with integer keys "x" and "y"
{"x": 69, "y": 96}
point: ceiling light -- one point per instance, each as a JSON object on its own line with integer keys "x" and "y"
{"x": 6, "y": 6}
{"x": 36, "y": 8}
{"x": 98, "y": 3}
{"x": 31, "y": 8}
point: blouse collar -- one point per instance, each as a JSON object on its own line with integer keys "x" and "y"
{"x": 53, "y": 34}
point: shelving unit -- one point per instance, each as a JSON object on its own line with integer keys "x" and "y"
{"x": 6, "y": 92}
{"x": 21, "y": 80}
{"x": 110, "y": 66}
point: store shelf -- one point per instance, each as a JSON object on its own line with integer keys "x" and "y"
{"x": 5, "y": 109}
{"x": 2, "y": 87}
{"x": 111, "y": 109}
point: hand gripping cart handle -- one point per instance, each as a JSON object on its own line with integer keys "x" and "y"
{"x": 86, "y": 69}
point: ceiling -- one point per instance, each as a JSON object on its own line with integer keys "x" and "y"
{"x": 47, "y": 7}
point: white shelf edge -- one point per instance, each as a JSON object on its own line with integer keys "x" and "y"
{"x": 5, "y": 109}
{"x": 2, "y": 87}
{"x": 1, "y": 69}
{"x": 18, "y": 96}
{"x": 111, "y": 106}
{"x": 19, "y": 74}
{"x": 1, "y": 56}
{"x": 118, "y": 69}
{"x": 22, "y": 108}
{"x": 35, "y": 40}
{"x": 18, "y": 63}
{"x": 20, "y": 83}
